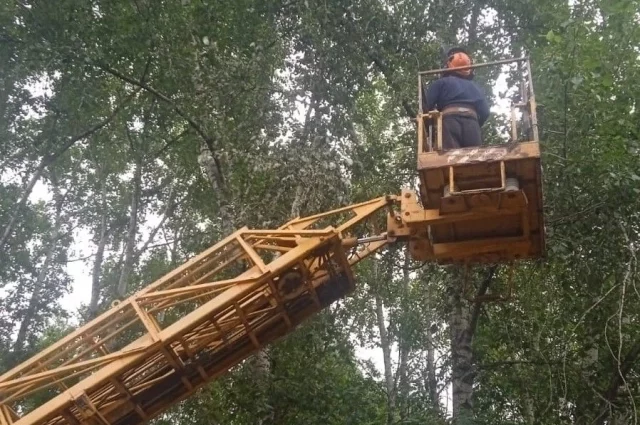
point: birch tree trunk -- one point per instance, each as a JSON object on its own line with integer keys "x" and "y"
{"x": 463, "y": 322}
{"x": 208, "y": 164}
{"x": 403, "y": 343}
{"x": 99, "y": 258}
{"x": 462, "y": 374}
{"x": 386, "y": 356}
{"x": 129, "y": 252}
{"x": 38, "y": 287}
{"x": 432, "y": 383}
{"x": 261, "y": 361}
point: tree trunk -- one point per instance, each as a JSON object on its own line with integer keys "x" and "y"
{"x": 432, "y": 382}
{"x": 529, "y": 409}
{"x": 8, "y": 228}
{"x": 209, "y": 166}
{"x": 97, "y": 264}
{"x": 401, "y": 379}
{"x": 462, "y": 374}
{"x": 476, "y": 9}
{"x": 132, "y": 231}
{"x": 386, "y": 356}
{"x": 262, "y": 370}
{"x": 48, "y": 160}
{"x": 403, "y": 343}
{"x": 38, "y": 286}
{"x": 166, "y": 214}
{"x": 262, "y": 362}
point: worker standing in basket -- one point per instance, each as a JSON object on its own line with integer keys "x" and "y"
{"x": 463, "y": 104}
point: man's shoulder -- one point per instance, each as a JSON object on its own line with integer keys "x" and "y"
{"x": 455, "y": 80}
{"x": 448, "y": 79}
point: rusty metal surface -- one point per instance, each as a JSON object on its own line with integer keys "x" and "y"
{"x": 484, "y": 154}
{"x": 479, "y": 65}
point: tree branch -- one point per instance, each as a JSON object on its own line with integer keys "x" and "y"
{"x": 495, "y": 365}
{"x": 170, "y": 143}
{"x": 387, "y": 72}
{"x": 473, "y": 24}
{"x": 380, "y": 63}
{"x": 168, "y": 212}
{"x": 618, "y": 379}
{"x": 477, "y": 307}
{"x": 576, "y": 214}
{"x": 190, "y": 120}
{"x": 50, "y": 159}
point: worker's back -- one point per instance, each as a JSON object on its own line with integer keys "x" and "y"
{"x": 454, "y": 90}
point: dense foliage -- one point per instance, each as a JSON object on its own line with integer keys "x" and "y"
{"x": 134, "y": 133}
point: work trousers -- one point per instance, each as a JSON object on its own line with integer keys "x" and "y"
{"x": 460, "y": 131}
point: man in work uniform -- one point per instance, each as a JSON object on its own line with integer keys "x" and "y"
{"x": 463, "y": 104}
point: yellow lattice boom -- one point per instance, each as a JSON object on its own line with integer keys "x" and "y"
{"x": 192, "y": 325}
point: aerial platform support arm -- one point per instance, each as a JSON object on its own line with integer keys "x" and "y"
{"x": 168, "y": 339}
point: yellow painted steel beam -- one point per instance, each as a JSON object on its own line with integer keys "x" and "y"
{"x": 190, "y": 326}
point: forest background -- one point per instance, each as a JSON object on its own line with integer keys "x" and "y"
{"x": 144, "y": 131}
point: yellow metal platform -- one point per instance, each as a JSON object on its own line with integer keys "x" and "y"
{"x": 481, "y": 204}
{"x": 495, "y": 209}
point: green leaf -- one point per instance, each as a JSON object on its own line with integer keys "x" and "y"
{"x": 577, "y": 80}
{"x": 550, "y": 36}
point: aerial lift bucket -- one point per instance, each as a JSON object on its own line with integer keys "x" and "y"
{"x": 491, "y": 195}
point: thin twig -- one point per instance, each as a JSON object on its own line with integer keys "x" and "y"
{"x": 564, "y": 356}
{"x": 181, "y": 112}
{"x": 576, "y": 214}
{"x": 49, "y": 159}
{"x": 484, "y": 287}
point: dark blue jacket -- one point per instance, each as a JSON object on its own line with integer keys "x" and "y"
{"x": 452, "y": 90}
